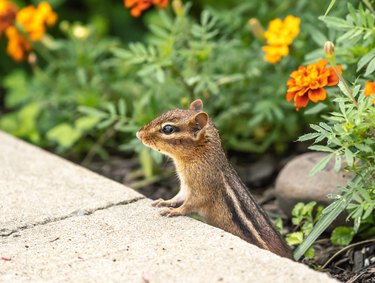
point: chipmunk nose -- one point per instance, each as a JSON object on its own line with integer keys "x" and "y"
{"x": 138, "y": 135}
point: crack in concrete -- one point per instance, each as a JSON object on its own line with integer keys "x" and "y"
{"x": 80, "y": 212}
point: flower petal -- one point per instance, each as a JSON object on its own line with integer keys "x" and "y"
{"x": 290, "y": 95}
{"x": 333, "y": 79}
{"x": 369, "y": 88}
{"x": 301, "y": 101}
{"x": 316, "y": 95}
{"x": 321, "y": 64}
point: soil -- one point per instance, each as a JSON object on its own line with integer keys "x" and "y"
{"x": 353, "y": 263}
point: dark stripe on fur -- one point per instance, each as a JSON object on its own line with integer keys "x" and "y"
{"x": 258, "y": 218}
{"x": 238, "y": 221}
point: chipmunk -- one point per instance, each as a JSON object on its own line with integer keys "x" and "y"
{"x": 210, "y": 186}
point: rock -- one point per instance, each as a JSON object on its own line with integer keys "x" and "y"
{"x": 295, "y": 185}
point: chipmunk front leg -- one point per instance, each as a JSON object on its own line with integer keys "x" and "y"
{"x": 176, "y": 201}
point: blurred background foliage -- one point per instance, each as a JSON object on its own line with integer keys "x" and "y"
{"x": 100, "y": 74}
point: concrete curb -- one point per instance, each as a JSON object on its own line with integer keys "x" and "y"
{"x": 62, "y": 223}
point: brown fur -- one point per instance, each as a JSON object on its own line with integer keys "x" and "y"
{"x": 209, "y": 184}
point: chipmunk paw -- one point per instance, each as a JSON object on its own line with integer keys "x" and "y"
{"x": 170, "y": 212}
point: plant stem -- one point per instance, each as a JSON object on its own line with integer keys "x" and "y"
{"x": 341, "y": 78}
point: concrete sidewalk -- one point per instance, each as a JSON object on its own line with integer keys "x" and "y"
{"x": 62, "y": 223}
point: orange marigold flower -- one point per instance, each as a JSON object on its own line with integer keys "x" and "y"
{"x": 17, "y": 44}
{"x": 138, "y": 6}
{"x": 307, "y": 83}
{"x": 279, "y": 35}
{"x": 370, "y": 90}
{"x": 31, "y": 20}
{"x": 34, "y": 19}
{"x": 8, "y": 13}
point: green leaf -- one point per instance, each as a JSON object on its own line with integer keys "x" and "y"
{"x": 364, "y": 193}
{"x": 308, "y": 208}
{"x": 316, "y": 109}
{"x": 337, "y": 163}
{"x": 342, "y": 236}
{"x": 330, "y": 7}
{"x": 294, "y": 238}
{"x": 64, "y": 134}
{"x": 349, "y": 157}
{"x": 335, "y": 22}
{"x": 370, "y": 68}
{"x": 365, "y": 59}
{"x": 86, "y": 123}
{"x": 92, "y": 111}
{"x": 297, "y": 213}
{"x": 308, "y": 136}
{"x": 363, "y": 147}
{"x": 310, "y": 253}
{"x": 278, "y": 223}
{"x": 317, "y": 36}
{"x": 122, "y": 107}
{"x": 111, "y": 109}
{"x": 17, "y": 85}
{"x": 105, "y": 123}
{"x": 321, "y": 226}
{"x": 368, "y": 212}
{"x": 307, "y": 227}
{"x": 23, "y": 123}
{"x": 321, "y": 148}
{"x": 320, "y": 165}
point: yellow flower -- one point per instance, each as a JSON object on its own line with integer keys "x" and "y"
{"x": 274, "y": 53}
{"x": 279, "y": 35}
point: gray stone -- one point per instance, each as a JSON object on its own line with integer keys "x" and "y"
{"x": 295, "y": 185}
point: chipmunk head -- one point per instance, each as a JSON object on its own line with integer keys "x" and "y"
{"x": 178, "y": 132}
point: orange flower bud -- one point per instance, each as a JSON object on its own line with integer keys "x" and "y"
{"x": 329, "y": 49}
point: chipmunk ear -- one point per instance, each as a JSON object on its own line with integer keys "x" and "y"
{"x": 199, "y": 120}
{"x": 196, "y": 105}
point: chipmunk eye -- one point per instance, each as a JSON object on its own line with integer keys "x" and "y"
{"x": 169, "y": 129}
